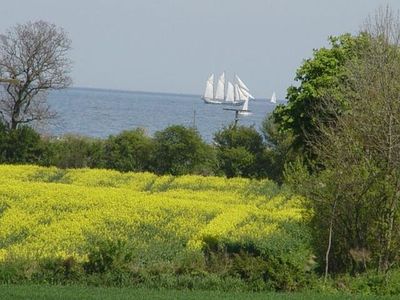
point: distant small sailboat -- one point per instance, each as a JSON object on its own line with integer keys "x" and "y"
{"x": 273, "y": 98}
{"x": 245, "y": 109}
{"x": 236, "y": 94}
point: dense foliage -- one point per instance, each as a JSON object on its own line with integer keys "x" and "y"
{"x": 358, "y": 194}
{"x": 352, "y": 177}
{"x": 176, "y": 150}
{"x": 179, "y": 150}
{"x": 74, "y": 152}
{"x": 239, "y": 151}
{"x": 318, "y": 77}
{"x": 128, "y": 151}
{"x": 22, "y": 145}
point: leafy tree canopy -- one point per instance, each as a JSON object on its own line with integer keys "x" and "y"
{"x": 239, "y": 150}
{"x": 179, "y": 150}
{"x": 318, "y": 76}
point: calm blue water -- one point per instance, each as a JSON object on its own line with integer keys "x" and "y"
{"x": 99, "y": 113}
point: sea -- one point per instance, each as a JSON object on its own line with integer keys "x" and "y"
{"x": 101, "y": 112}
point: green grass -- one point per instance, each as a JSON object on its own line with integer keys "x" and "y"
{"x": 79, "y": 292}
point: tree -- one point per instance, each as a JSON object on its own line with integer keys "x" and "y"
{"x": 355, "y": 187}
{"x": 129, "y": 151}
{"x": 320, "y": 75}
{"x": 375, "y": 84}
{"x": 179, "y": 150}
{"x": 239, "y": 151}
{"x": 34, "y": 55}
{"x": 278, "y": 149}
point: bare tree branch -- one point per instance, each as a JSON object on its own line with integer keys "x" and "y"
{"x": 35, "y": 55}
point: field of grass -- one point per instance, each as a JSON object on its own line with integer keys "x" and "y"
{"x": 84, "y": 293}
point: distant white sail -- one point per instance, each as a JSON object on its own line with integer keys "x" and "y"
{"x": 220, "y": 92}
{"x": 242, "y": 94}
{"x": 247, "y": 94}
{"x": 273, "y": 98}
{"x": 230, "y": 97}
{"x": 237, "y": 92}
{"x": 246, "y": 105}
{"x": 241, "y": 83}
{"x": 209, "y": 92}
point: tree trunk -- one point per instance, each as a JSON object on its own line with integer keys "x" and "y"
{"x": 328, "y": 250}
{"x": 13, "y": 123}
{"x": 385, "y": 262}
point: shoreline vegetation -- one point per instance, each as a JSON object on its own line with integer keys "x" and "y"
{"x": 237, "y": 151}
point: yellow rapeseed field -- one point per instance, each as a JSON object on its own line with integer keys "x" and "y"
{"x": 54, "y": 213}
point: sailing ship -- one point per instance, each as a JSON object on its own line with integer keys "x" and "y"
{"x": 236, "y": 94}
{"x": 273, "y": 98}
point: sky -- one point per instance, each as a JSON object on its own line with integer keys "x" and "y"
{"x": 173, "y": 45}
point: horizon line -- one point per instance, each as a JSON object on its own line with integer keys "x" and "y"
{"x": 143, "y": 92}
{"x": 132, "y": 91}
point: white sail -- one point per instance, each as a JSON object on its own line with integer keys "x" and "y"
{"x": 241, "y": 83}
{"x": 230, "y": 97}
{"x": 236, "y": 92}
{"x": 247, "y": 94}
{"x": 273, "y": 98}
{"x": 220, "y": 92}
{"x": 246, "y": 105}
{"x": 242, "y": 95}
{"x": 209, "y": 92}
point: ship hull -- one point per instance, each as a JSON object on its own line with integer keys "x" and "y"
{"x": 211, "y": 101}
{"x": 236, "y": 103}
{"x": 245, "y": 113}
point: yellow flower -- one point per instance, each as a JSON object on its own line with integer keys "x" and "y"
{"x": 52, "y": 213}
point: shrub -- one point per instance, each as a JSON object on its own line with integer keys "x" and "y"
{"x": 72, "y": 151}
{"x": 239, "y": 149}
{"x": 21, "y": 145}
{"x": 128, "y": 151}
{"x": 180, "y": 150}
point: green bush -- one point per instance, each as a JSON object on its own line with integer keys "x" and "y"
{"x": 21, "y": 145}
{"x": 239, "y": 151}
{"x": 72, "y": 151}
{"x": 281, "y": 262}
{"x": 108, "y": 256}
{"x": 179, "y": 150}
{"x": 128, "y": 151}
{"x": 368, "y": 283}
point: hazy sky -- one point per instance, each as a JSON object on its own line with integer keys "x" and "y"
{"x": 173, "y": 45}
